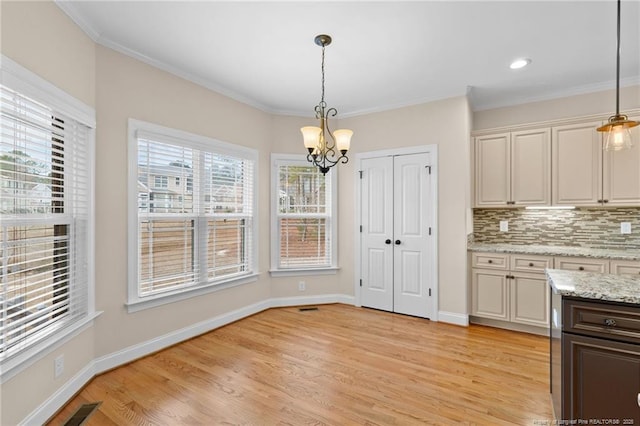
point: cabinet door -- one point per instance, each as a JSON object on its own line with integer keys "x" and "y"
{"x": 531, "y": 167}
{"x": 601, "y": 379}
{"x": 582, "y": 264}
{"x": 621, "y": 173}
{"x": 489, "y": 294}
{"x": 576, "y": 165}
{"x": 529, "y": 299}
{"x": 625, "y": 267}
{"x": 493, "y": 174}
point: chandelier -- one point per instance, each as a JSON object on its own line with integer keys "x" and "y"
{"x": 618, "y": 134}
{"x": 326, "y": 148}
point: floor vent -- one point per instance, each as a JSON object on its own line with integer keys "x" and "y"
{"x": 84, "y": 412}
{"x": 308, "y": 308}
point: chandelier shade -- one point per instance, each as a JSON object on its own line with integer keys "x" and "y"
{"x": 325, "y": 148}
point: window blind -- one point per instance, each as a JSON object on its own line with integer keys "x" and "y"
{"x": 304, "y": 217}
{"x": 44, "y": 212}
{"x": 195, "y": 215}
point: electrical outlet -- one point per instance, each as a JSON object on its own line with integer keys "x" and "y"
{"x": 504, "y": 226}
{"x": 625, "y": 227}
{"x": 58, "y": 366}
{"x": 302, "y": 286}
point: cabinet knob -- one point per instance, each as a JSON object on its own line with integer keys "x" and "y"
{"x": 530, "y": 263}
{"x": 639, "y": 400}
{"x": 610, "y": 322}
{"x": 605, "y": 201}
{"x": 581, "y": 268}
{"x": 490, "y": 261}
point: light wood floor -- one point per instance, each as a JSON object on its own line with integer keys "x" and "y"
{"x": 340, "y": 365}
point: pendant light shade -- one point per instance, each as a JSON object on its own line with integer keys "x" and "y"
{"x": 618, "y": 128}
{"x": 618, "y": 133}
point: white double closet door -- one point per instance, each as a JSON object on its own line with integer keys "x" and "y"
{"x": 396, "y": 252}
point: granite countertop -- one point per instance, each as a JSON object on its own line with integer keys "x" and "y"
{"x": 594, "y": 285}
{"x": 620, "y": 254}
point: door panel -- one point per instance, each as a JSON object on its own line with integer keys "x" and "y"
{"x": 377, "y": 227}
{"x": 411, "y": 184}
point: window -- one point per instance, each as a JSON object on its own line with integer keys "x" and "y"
{"x": 191, "y": 237}
{"x": 46, "y": 220}
{"x": 161, "y": 181}
{"x": 303, "y": 201}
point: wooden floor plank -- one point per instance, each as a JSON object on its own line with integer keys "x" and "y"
{"x": 337, "y": 365}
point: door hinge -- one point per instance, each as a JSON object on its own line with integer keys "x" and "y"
{"x": 429, "y": 230}
{"x": 428, "y": 168}
{"x": 360, "y": 171}
{"x": 429, "y": 292}
{"x": 360, "y": 228}
{"x": 360, "y": 283}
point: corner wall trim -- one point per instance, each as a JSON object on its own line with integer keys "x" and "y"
{"x": 99, "y": 365}
{"x": 454, "y": 318}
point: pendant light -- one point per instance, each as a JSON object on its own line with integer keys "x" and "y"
{"x": 618, "y": 128}
{"x": 325, "y": 149}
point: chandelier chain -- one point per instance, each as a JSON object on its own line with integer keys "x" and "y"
{"x": 322, "y": 98}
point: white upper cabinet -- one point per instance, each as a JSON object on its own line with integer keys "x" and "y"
{"x": 493, "y": 171}
{"x": 531, "y": 167}
{"x": 513, "y": 169}
{"x": 621, "y": 173}
{"x": 577, "y": 165}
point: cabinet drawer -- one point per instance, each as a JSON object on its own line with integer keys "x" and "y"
{"x": 582, "y": 264}
{"x": 625, "y": 267}
{"x": 529, "y": 263}
{"x": 490, "y": 260}
{"x": 602, "y": 320}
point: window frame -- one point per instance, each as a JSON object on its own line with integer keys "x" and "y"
{"x": 278, "y": 160}
{"x": 163, "y": 134}
{"x": 29, "y": 84}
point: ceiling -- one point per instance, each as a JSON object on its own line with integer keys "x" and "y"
{"x": 385, "y": 54}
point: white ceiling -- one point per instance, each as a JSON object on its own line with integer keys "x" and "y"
{"x": 385, "y": 54}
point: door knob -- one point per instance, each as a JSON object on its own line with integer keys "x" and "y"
{"x": 387, "y": 241}
{"x": 398, "y": 242}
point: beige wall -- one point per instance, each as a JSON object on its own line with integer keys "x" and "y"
{"x": 38, "y": 36}
{"x": 600, "y": 103}
{"x": 127, "y": 88}
{"x": 287, "y": 139}
{"x": 446, "y": 124}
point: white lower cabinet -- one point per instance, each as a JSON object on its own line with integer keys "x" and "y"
{"x": 625, "y": 267}
{"x": 529, "y": 299}
{"x": 586, "y": 264}
{"x": 512, "y": 288}
{"x": 489, "y": 294}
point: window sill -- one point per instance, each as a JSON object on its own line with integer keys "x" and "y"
{"x": 332, "y": 270}
{"x": 14, "y": 366}
{"x": 166, "y": 298}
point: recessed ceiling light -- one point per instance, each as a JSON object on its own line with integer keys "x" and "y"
{"x": 520, "y": 63}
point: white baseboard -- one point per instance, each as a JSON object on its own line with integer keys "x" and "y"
{"x": 311, "y": 300}
{"x": 453, "y": 318}
{"x": 49, "y": 407}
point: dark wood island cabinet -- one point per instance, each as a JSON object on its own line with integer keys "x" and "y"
{"x": 595, "y": 348}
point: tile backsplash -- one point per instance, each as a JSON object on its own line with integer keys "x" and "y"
{"x": 595, "y": 228}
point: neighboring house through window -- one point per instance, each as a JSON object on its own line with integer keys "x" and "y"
{"x": 199, "y": 234}
{"x": 303, "y": 217}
